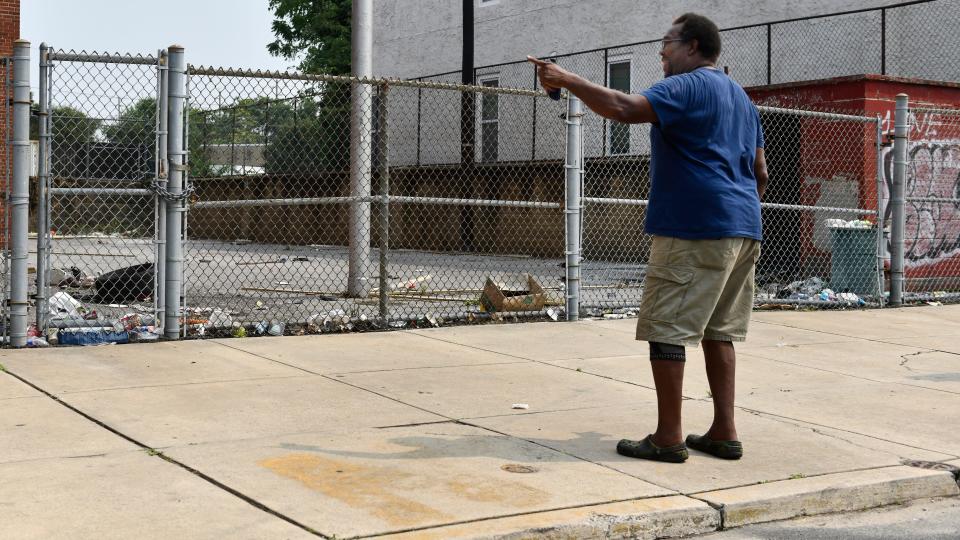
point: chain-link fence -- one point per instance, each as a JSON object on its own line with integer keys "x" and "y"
{"x": 932, "y": 205}
{"x": 901, "y": 40}
{"x": 315, "y": 203}
{"x": 819, "y": 216}
{"x": 450, "y": 209}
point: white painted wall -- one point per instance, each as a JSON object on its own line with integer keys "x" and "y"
{"x": 422, "y": 37}
{"x": 413, "y": 38}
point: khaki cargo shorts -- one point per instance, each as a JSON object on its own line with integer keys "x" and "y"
{"x": 698, "y": 289}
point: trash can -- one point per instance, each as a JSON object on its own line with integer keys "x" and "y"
{"x": 853, "y": 265}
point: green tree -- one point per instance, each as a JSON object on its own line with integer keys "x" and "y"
{"x": 71, "y": 126}
{"x": 316, "y": 138}
{"x": 71, "y": 123}
{"x": 319, "y": 30}
{"x": 136, "y": 125}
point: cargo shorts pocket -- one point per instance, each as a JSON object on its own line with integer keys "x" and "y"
{"x": 664, "y": 292}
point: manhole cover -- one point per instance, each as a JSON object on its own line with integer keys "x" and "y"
{"x": 522, "y": 469}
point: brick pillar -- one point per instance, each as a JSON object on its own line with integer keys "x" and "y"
{"x": 9, "y": 32}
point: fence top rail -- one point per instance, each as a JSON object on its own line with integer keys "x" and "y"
{"x": 818, "y": 114}
{"x": 313, "y": 77}
{"x": 935, "y": 110}
{"x": 102, "y": 58}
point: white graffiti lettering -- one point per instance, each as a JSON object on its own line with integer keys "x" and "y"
{"x": 932, "y": 207}
{"x": 922, "y": 127}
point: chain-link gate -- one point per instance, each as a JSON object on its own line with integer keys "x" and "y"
{"x": 99, "y": 133}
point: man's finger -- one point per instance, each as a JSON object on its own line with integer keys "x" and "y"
{"x": 536, "y": 61}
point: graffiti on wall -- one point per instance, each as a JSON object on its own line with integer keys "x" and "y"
{"x": 932, "y": 231}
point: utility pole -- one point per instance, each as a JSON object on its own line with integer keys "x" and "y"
{"x": 361, "y": 146}
{"x": 467, "y": 128}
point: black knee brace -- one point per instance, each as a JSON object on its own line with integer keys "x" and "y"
{"x": 665, "y": 351}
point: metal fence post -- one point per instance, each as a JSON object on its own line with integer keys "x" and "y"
{"x": 880, "y": 210}
{"x": 20, "y": 193}
{"x": 383, "y": 159}
{"x": 162, "y": 171}
{"x": 43, "y": 183}
{"x": 360, "y": 148}
{"x": 896, "y": 199}
{"x": 572, "y": 207}
{"x": 176, "y": 206}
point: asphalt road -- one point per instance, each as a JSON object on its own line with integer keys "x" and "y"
{"x": 937, "y": 519}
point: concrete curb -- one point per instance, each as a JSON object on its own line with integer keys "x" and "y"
{"x": 711, "y": 511}
{"x": 643, "y": 519}
{"x": 841, "y": 492}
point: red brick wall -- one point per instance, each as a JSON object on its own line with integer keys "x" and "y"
{"x": 9, "y": 32}
{"x": 932, "y": 235}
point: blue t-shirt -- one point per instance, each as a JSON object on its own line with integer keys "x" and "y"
{"x": 703, "y": 148}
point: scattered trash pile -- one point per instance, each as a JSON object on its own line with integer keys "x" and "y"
{"x": 811, "y": 291}
{"x": 844, "y": 224}
{"x": 71, "y": 322}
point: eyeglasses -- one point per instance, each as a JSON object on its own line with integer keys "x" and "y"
{"x": 663, "y": 42}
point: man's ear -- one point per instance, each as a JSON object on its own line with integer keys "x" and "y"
{"x": 694, "y": 47}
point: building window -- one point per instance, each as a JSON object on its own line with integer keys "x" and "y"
{"x": 489, "y": 122}
{"x": 618, "y": 133}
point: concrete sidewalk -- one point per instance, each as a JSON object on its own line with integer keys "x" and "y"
{"x": 413, "y": 433}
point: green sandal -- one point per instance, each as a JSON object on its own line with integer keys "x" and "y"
{"x": 645, "y": 449}
{"x": 720, "y": 449}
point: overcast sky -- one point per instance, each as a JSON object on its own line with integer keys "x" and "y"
{"x": 229, "y": 33}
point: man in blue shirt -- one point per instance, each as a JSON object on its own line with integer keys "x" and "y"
{"x": 708, "y": 174}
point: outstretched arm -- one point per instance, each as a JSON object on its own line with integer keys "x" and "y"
{"x": 608, "y": 103}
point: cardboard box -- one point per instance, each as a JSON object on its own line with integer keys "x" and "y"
{"x": 524, "y": 294}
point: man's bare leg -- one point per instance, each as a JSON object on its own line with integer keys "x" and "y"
{"x": 668, "y": 378}
{"x": 721, "y": 360}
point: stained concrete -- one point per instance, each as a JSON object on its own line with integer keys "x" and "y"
{"x": 376, "y": 481}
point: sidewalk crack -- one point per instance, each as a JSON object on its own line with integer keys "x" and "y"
{"x": 157, "y": 453}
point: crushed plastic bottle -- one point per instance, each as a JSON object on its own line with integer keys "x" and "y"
{"x": 261, "y": 328}
{"x": 37, "y": 342}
